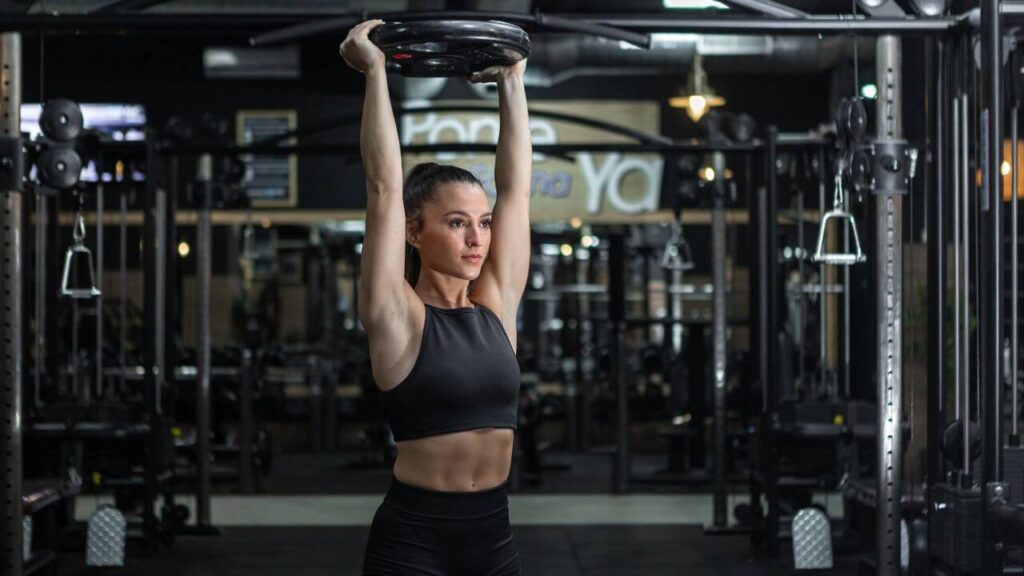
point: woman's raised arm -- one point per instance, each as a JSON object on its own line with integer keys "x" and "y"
{"x": 503, "y": 278}
{"x": 384, "y": 293}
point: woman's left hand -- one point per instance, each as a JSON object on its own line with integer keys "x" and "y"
{"x": 498, "y": 73}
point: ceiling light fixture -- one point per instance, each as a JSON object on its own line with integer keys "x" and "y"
{"x": 698, "y": 97}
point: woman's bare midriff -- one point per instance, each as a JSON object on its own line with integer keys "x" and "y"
{"x": 466, "y": 461}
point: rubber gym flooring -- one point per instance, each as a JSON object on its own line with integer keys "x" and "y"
{"x": 311, "y": 519}
{"x": 544, "y": 551}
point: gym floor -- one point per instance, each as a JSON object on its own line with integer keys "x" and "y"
{"x": 544, "y": 550}
{"x": 315, "y": 512}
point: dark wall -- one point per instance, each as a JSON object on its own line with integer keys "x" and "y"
{"x": 165, "y": 74}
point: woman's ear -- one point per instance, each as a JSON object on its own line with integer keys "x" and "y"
{"x": 412, "y": 232}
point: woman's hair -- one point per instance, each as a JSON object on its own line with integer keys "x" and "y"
{"x": 421, "y": 187}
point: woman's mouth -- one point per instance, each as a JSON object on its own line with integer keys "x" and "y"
{"x": 474, "y": 258}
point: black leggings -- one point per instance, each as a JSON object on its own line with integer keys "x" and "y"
{"x": 418, "y": 531}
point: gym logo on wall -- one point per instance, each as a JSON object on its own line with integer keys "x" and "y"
{"x": 607, "y": 186}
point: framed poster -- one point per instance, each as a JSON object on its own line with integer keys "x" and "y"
{"x": 270, "y": 180}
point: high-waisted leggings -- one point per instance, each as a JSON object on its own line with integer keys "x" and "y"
{"x": 418, "y": 531}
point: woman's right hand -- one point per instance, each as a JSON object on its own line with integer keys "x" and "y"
{"x": 358, "y": 51}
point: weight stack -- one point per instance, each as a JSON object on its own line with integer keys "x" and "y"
{"x": 955, "y": 541}
{"x": 1013, "y": 472}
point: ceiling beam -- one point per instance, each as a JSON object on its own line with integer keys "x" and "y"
{"x": 126, "y": 6}
{"x": 228, "y": 25}
{"x": 769, "y": 7}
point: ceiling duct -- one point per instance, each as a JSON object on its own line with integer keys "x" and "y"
{"x": 566, "y": 57}
{"x": 882, "y": 8}
{"x": 768, "y": 7}
{"x": 164, "y": 7}
{"x": 930, "y": 8}
{"x": 252, "y": 63}
{"x": 520, "y": 6}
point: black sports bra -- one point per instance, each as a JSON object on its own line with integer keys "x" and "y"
{"x": 465, "y": 377}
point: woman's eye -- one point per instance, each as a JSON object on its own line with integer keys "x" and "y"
{"x": 485, "y": 223}
{"x": 456, "y": 223}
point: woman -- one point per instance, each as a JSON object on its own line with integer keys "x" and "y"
{"x": 444, "y": 356}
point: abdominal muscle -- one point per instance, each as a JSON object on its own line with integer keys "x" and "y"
{"x": 466, "y": 461}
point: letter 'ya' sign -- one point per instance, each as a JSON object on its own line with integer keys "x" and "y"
{"x": 606, "y": 185}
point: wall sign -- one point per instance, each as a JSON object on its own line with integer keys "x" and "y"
{"x": 605, "y": 185}
{"x": 270, "y": 180}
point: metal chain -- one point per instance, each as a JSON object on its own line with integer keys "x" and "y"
{"x": 837, "y": 202}
{"x": 79, "y": 232}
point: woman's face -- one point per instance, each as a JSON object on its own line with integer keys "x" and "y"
{"x": 453, "y": 233}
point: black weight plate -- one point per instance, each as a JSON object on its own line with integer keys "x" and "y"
{"x": 845, "y": 166}
{"x": 856, "y": 121}
{"x": 449, "y": 47}
{"x": 842, "y": 111}
{"x": 59, "y": 167}
{"x": 952, "y": 442}
{"x": 61, "y": 120}
{"x": 860, "y": 170}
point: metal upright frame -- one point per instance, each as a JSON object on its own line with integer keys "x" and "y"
{"x": 11, "y": 321}
{"x": 720, "y": 357}
{"x": 619, "y": 379}
{"x": 990, "y": 324}
{"x": 888, "y": 305}
{"x": 935, "y": 186}
{"x": 153, "y": 257}
{"x": 203, "y": 190}
{"x": 766, "y": 342}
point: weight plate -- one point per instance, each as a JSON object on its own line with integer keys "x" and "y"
{"x": 952, "y": 442}
{"x": 449, "y": 47}
{"x": 856, "y": 121}
{"x": 842, "y": 111}
{"x": 59, "y": 167}
{"x": 61, "y": 120}
{"x": 860, "y": 170}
